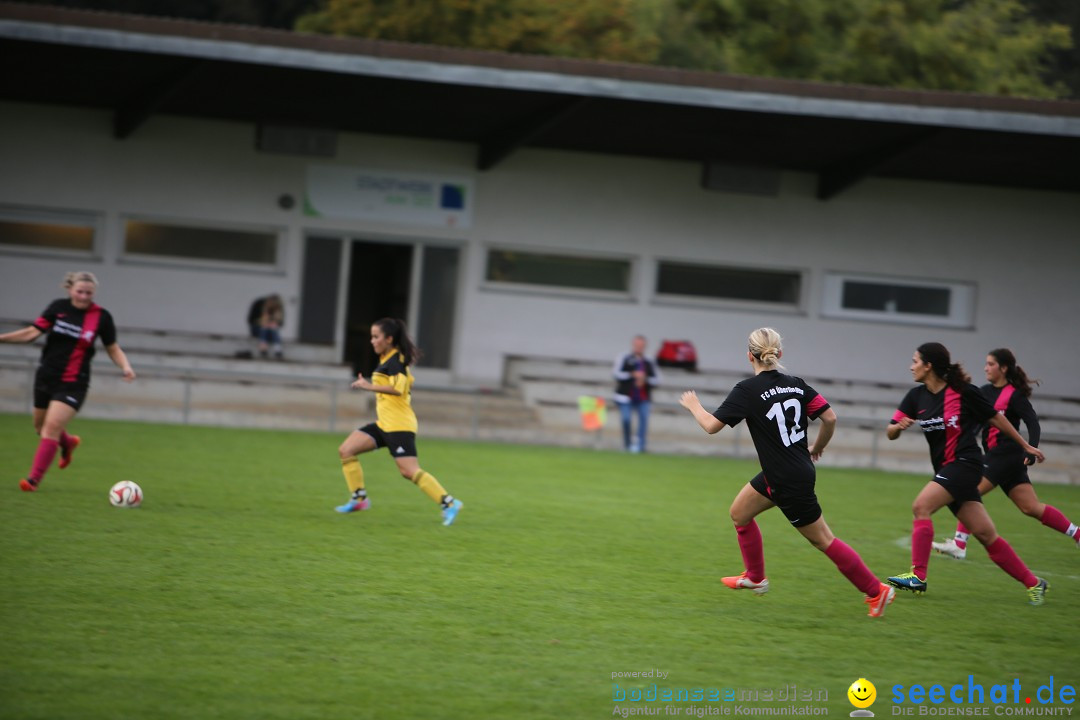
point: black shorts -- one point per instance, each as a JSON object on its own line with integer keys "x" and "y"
{"x": 961, "y": 480}
{"x": 400, "y": 444}
{"x": 1006, "y": 471}
{"x": 48, "y": 387}
{"x": 798, "y": 503}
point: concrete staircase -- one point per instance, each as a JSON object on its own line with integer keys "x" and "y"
{"x": 553, "y": 386}
{"x": 197, "y": 379}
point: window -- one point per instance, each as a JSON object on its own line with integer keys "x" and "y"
{"x": 48, "y": 231}
{"x": 714, "y": 282}
{"x": 576, "y": 272}
{"x": 183, "y": 242}
{"x": 899, "y": 300}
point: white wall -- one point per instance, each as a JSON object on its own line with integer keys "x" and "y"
{"x": 1021, "y": 248}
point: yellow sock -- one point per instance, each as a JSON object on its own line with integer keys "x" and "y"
{"x": 431, "y": 487}
{"x": 354, "y": 476}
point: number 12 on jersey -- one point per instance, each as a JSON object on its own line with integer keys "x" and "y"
{"x": 778, "y": 413}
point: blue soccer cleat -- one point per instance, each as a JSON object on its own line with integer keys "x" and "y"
{"x": 450, "y": 512}
{"x": 908, "y": 581}
{"x": 354, "y": 506}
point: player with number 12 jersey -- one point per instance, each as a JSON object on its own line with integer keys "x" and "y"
{"x": 777, "y": 408}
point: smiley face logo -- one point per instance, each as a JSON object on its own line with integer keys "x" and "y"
{"x": 862, "y": 693}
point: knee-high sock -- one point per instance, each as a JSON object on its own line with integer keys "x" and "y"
{"x": 43, "y": 458}
{"x": 961, "y": 536}
{"x": 922, "y": 535}
{"x": 1007, "y": 559}
{"x": 854, "y": 569}
{"x": 354, "y": 476}
{"x": 65, "y": 440}
{"x": 431, "y": 487}
{"x": 1053, "y": 518}
{"x": 753, "y": 552}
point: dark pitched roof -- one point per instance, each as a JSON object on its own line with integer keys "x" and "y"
{"x": 138, "y": 65}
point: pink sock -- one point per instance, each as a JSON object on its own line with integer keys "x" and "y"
{"x": 65, "y": 440}
{"x": 961, "y": 542}
{"x": 1052, "y": 518}
{"x": 43, "y": 458}
{"x": 854, "y": 569}
{"x": 753, "y": 553}
{"x": 922, "y": 535}
{"x": 1007, "y": 559}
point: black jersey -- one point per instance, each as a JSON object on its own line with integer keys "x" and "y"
{"x": 1016, "y": 407}
{"x": 950, "y": 420}
{"x": 777, "y": 409}
{"x": 69, "y": 341}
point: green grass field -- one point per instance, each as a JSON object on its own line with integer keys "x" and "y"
{"x": 236, "y": 591}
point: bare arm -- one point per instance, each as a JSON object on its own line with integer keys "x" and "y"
{"x": 705, "y": 419}
{"x": 828, "y": 427}
{"x": 361, "y": 384}
{"x": 1006, "y": 428}
{"x": 23, "y": 335}
{"x": 894, "y": 429}
{"x": 120, "y": 360}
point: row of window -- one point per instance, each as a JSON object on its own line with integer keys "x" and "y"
{"x": 846, "y": 295}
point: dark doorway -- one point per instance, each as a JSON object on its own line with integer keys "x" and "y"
{"x": 319, "y": 290}
{"x": 379, "y": 276}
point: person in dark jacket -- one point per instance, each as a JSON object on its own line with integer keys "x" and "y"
{"x": 635, "y": 377}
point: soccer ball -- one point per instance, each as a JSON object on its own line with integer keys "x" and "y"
{"x": 125, "y": 494}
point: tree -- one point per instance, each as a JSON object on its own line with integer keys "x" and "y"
{"x": 595, "y": 29}
{"x": 986, "y": 46}
{"x": 1064, "y": 62}
{"x": 267, "y": 13}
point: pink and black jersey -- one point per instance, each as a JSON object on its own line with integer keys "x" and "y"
{"x": 777, "y": 409}
{"x": 69, "y": 342}
{"x": 1016, "y": 407}
{"x": 950, "y": 420}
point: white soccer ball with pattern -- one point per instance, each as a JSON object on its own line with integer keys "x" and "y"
{"x": 125, "y": 494}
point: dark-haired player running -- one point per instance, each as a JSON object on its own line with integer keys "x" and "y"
{"x": 1005, "y": 463}
{"x": 949, "y": 410}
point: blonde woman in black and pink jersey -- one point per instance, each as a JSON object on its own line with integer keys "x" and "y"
{"x": 1005, "y": 463}
{"x": 71, "y": 325}
{"x": 950, "y": 410}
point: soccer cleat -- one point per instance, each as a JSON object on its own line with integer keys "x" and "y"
{"x": 908, "y": 581}
{"x": 741, "y": 582}
{"x": 950, "y": 548}
{"x": 883, "y": 599}
{"x": 450, "y": 512}
{"x": 354, "y": 506}
{"x": 65, "y": 453}
{"x": 1037, "y": 594}
{"x": 28, "y": 485}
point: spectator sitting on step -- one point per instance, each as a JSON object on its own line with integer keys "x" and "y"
{"x": 265, "y": 318}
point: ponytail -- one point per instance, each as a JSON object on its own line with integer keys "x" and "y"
{"x": 1014, "y": 374}
{"x": 942, "y": 365}
{"x": 394, "y": 329}
{"x": 765, "y": 345}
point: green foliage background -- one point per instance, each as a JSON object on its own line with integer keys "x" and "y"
{"x": 1002, "y": 47}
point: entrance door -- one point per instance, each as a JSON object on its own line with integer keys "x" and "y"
{"x": 379, "y": 284}
{"x": 438, "y": 304}
{"x": 319, "y": 290}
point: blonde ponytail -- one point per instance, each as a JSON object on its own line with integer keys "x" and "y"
{"x": 765, "y": 346}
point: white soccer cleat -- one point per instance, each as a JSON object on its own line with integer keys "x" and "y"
{"x": 950, "y": 548}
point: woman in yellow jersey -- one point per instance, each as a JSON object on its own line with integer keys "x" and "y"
{"x": 395, "y": 428}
